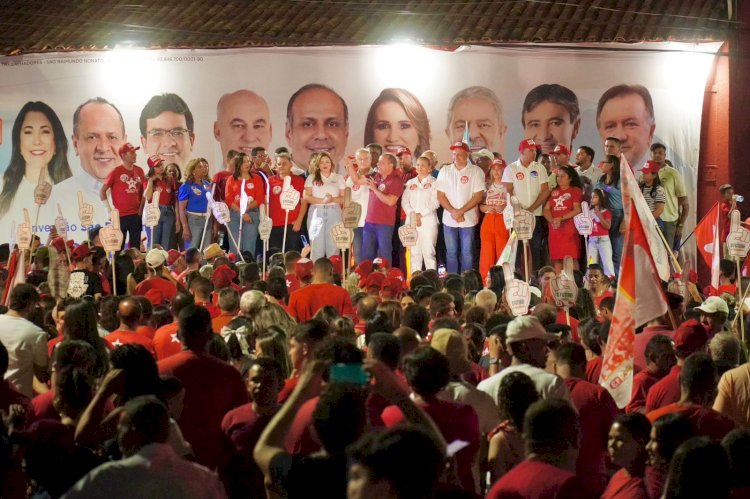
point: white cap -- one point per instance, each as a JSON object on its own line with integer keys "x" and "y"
{"x": 156, "y": 257}
{"x": 714, "y": 304}
{"x": 525, "y": 328}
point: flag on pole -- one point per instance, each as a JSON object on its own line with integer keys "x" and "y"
{"x": 509, "y": 252}
{"x": 466, "y": 139}
{"x": 708, "y": 242}
{"x": 16, "y": 274}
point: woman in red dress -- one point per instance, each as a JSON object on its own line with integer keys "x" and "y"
{"x": 563, "y": 204}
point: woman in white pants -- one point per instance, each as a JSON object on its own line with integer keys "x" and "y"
{"x": 324, "y": 192}
{"x": 420, "y": 197}
{"x": 600, "y": 247}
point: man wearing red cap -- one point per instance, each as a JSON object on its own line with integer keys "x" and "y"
{"x": 303, "y": 272}
{"x": 126, "y": 183}
{"x": 305, "y": 303}
{"x": 460, "y": 188}
{"x": 527, "y": 180}
{"x": 83, "y": 280}
{"x": 677, "y": 205}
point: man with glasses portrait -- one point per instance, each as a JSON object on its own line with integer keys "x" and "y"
{"x": 166, "y": 125}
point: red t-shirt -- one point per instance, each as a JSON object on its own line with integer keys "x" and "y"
{"x": 665, "y": 391}
{"x": 165, "y": 287}
{"x": 43, "y": 406}
{"x": 305, "y": 303}
{"x": 537, "y": 480}
{"x": 656, "y": 479}
{"x": 299, "y": 439}
{"x": 287, "y": 389}
{"x": 212, "y": 388}
{"x": 564, "y": 240}
{"x": 724, "y": 223}
{"x": 642, "y": 383}
{"x": 561, "y": 319}
{"x": 624, "y": 486}
{"x": 292, "y": 283}
{"x": 277, "y": 214}
{"x": 127, "y": 189}
{"x": 166, "y": 342}
{"x": 220, "y": 179}
{"x": 597, "y": 410}
{"x": 597, "y": 229}
{"x": 705, "y": 421}
{"x": 146, "y": 331}
{"x": 642, "y": 339}
{"x": 594, "y": 369}
{"x": 253, "y": 187}
{"x": 377, "y": 211}
{"x": 121, "y": 337}
{"x": 455, "y": 422}
{"x": 213, "y": 310}
{"x": 166, "y": 189}
{"x": 598, "y": 299}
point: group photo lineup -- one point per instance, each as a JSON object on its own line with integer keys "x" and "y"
{"x": 369, "y": 272}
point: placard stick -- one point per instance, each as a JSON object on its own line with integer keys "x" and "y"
{"x": 114, "y": 277}
{"x": 739, "y": 291}
{"x": 526, "y": 259}
{"x": 286, "y": 227}
{"x": 235, "y": 243}
{"x": 208, "y": 217}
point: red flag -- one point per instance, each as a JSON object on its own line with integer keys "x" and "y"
{"x": 639, "y": 300}
{"x": 707, "y": 240}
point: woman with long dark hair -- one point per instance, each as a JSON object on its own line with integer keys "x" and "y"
{"x": 80, "y": 324}
{"x": 243, "y": 170}
{"x": 37, "y": 143}
{"x": 610, "y": 184}
{"x": 564, "y": 203}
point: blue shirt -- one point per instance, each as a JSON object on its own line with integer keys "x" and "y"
{"x": 614, "y": 195}
{"x": 195, "y": 195}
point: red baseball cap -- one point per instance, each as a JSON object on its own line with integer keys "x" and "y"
{"x": 80, "y": 252}
{"x": 561, "y": 149}
{"x": 651, "y": 167}
{"x": 364, "y": 268}
{"x": 499, "y": 162}
{"x": 395, "y": 273}
{"x": 380, "y": 263}
{"x": 154, "y": 161}
{"x": 460, "y": 146}
{"x": 172, "y": 256}
{"x": 391, "y": 288}
{"x": 402, "y": 151}
{"x": 690, "y": 337}
{"x": 526, "y": 144}
{"x": 127, "y": 147}
{"x": 303, "y": 268}
{"x": 375, "y": 280}
{"x": 223, "y": 276}
{"x": 338, "y": 264}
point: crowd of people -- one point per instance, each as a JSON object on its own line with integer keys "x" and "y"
{"x": 168, "y": 373}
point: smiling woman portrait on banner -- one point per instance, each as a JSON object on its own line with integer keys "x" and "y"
{"x": 397, "y": 119}
{"x": 38, "y": 143}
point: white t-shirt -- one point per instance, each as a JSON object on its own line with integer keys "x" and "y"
{"x": 27, "y": 347}
{"x": 361, "y": 195}
{"x": 333, "y": 185}
{"x": 458, "y": 186}
{"x": 527, "y": 183}
{"x": 592, "y": 173}
{"x": 547, "y": 385}
{"x": 420, "y": 197}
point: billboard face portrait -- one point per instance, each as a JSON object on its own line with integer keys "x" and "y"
{"x": 317, "y": 120}
{"x": 166, "y": 125}
{"x": 551, "y": 116}
{"x": 98, "y": 133}
{"x": 627, "y": 113}
{"x": 397, "y": 119}
{"x": 242, "y": 122}
{"x": 479, "y": 109}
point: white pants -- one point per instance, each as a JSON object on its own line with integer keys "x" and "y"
{"x": 424, "y": 250}
{"x": 601, "y": 247}
{"x": 325, "y": 217}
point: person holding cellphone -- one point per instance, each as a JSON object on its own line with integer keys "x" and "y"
{"x": 324, "y": 193}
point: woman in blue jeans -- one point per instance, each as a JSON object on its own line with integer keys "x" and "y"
{"x": 610, "y": 184}
{"x": 192, "y": 203}
{"x": 158, "y": 181}
{"x": 324, "y": 192}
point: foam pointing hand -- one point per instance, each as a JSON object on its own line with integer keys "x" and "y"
{"x": 111, "y": 235}
{"x": 85, "y": 211}
{"x": 408, "y": 232}
{"x": 23, "y": 232}
{"x": 517, "y": 292}
{"x": 583, "y": 221}
{"x": 352, "y": 210}
{"x": 738, "y": 240}
{"x": 289, "y": 195}
{"x": 43, "y": 188}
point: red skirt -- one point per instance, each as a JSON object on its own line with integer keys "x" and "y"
{"x": 564, "y": 241}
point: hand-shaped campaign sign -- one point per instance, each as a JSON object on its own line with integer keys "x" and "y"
{"x": 289, "y": 195}
{"x": 583, "y": 221}
{"x": 564, "y": 288}
{"x": 111, "y": 235}
{"x": 523, "y": 220}
{"x": 738, "y": 240}
{"x": 244, "y": 198}
{"x": 23, "y": 232}
{"x": 43, "y": 188}
{"x": 85, "y": 211}
{"x": 352, "y": 210}
{"x": 151, "y": 213}
{"x": 408, "y": 233}
{"x": 342, "y": 237}
{"x": 219, "y": 209}
{"x": 517, "y": 292}
{"x": 61, "y": 224}
{"x": 265, "y": 225}
{"x": 13, "y": 234}
{"x": 508, "y": 212}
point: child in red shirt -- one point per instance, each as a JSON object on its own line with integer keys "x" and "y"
{"x": 563, "y": 204}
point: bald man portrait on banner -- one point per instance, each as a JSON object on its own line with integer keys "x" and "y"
{"x": 243, "y": 122}
{"x": 480, "y": 109}
{"x": 626, "y": 112}
{"x": 317, "y": 120}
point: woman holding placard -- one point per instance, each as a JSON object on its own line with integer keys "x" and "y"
{"x": 420, "y": 198}
{"x": 324, "y": 192}
{"x": 493, "y": 234}
{"x": 600, "y": 247}
{"x": 158, "y": 181}
{"x": 256, "y": 195}
{"x": 37, "y": 143}
{"x": 563, "y": 204}
{"x": 193, "y": 203}
{"x": 610, "y": 184}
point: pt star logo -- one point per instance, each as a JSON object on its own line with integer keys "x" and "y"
{"x": 559, "y": 202}
{"x": 174, "y": 338}
{"x": 288, "y": 283}
{"x": 117, "y": 343}
{"x": 132, "y": 182}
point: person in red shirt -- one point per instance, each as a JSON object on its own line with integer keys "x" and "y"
{"x": 229, "y": 305}
{"x": 305, "y": 303}
{"x": 428, "y": 372}
{"x": 667, "y": 434}
{"x": 201, "y": 289}
{"x": 661, "y": 358}
{"x": 698, "y": 381}
{"x": 597, "y": 410}
{"x": 166, "y": 187}
{"x": 627, "y": 449}
{"x": 689, "y": 338}
{"x": 552, "y": 432}
{"x": 598, "y": 285}
{"x": 727, "y": 194}
{"x": 278, "y": 215}
{"x": 160, "y": 278}
{"x": 564, "y": 203}
{"x": 126, "y": 184}
{"x": 129, "y": 311}
{"x": 589, "y": 333}
{"x": 219, "y": 182}
{"x": 305, "y": 338}
{"x": 166, "y": 341}
{"x": 212, "y": 387}
{"x": 254, "y": 188}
